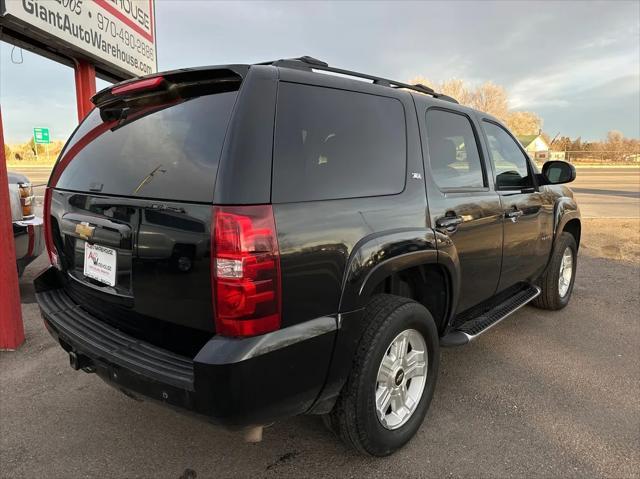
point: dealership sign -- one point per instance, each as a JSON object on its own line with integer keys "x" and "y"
{"x": 118, "y": 35}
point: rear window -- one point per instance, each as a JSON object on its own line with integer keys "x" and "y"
{"x": 332, "y": 144}
{"x": 168, "y": 152}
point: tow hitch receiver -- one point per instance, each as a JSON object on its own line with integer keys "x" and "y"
{"x": 79, "y": 361}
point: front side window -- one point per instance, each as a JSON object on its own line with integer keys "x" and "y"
{"x": 510, "y": 164}
{"x": 332, "y": 144}
{"x": 453, "y": 152}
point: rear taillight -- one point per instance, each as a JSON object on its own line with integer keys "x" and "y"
{"x": 245, "y": 270}
{"x": 48, "y": 231}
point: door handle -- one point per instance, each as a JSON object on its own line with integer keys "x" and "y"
{"x": 513, "y": 214}
{"x": 449, "y": 222}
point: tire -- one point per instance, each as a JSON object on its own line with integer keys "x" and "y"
{"x": 551, "y": 297}
{"x": 355, "y": 418}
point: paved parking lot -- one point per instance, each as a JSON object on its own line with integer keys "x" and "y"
{"x": 542, "y": 395}
{"x": 606, "y": 192}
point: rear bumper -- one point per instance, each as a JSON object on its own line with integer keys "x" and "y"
{"x": 235, "y": 382}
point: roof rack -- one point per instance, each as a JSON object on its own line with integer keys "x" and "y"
{"x": 310, "y": 64}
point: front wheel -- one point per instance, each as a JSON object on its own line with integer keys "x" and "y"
{"x": 393, "y": 378}
{"x": 558, "y": 279}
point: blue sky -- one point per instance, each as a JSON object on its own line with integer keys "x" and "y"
{"x": 576, "y": 64}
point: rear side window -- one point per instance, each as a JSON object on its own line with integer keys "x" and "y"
{"x": 168, "y": 152}
{"x": 453, "y": 151}
{"x": 332, "y": 144}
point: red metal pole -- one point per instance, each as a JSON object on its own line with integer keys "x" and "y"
{"x": 85, "y": 74}
{"x": 11, "y": 327}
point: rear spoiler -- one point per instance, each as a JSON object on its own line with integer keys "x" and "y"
{"x": 176, "y": 84}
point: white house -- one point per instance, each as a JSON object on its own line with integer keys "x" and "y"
{"x": 536, "y": 146}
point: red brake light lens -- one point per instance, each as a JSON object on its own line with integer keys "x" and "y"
{"x": 140, "y": 85}
{"x": 48, "y": 232}
{"x": 246, "y": 270}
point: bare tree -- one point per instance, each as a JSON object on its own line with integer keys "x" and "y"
{"x": 491, "y": 98}
{"x": 614, "y": 138}
{"x": 458, "y": 90}
{"x": 488, "y": 97}
{"x": 562, "y": 143}
{"x": 523, "y": 122}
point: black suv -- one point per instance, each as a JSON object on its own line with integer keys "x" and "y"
{"x": 251, "y": 242}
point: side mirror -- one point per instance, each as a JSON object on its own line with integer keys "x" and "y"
{"x": 558, "y": 172}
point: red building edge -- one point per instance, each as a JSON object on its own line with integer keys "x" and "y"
{"x": 11, "y": 327}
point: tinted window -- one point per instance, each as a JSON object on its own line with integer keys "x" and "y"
{"x": 169, "y": 152}
{"x": 453, "y": 152}
{"x": 337, "y": 144}
{"x": 509, "y": 162}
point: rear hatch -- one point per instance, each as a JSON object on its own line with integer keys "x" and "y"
{"x": 131, "y": 205}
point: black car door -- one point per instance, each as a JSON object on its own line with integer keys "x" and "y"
{"x": 462, "y": 204}
{"x": 527, "y": 216}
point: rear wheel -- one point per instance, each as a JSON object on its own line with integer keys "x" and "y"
{"x": 558, "y": 279}
{"x": 393, "y": 378}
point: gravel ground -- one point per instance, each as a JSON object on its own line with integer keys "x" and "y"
{"x": 619, "y": 240}
{"x": 544, "y": 394}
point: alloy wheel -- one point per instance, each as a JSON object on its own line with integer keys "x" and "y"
{"x": 401, "y": 379}
{"x": 566, "y": 272}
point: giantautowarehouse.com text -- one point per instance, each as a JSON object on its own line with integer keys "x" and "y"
{"x": 96, "y": 39}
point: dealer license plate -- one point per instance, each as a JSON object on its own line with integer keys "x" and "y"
{"x": 100, "y": 263}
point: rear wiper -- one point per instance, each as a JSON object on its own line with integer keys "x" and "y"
{"x": 148, "y": 178}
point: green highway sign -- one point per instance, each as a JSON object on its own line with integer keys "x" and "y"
{"x": 41, "y": 135}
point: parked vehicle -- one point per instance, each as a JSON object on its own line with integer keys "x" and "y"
{"x": 27, "y": 227}
{"x": 333, "y": 234}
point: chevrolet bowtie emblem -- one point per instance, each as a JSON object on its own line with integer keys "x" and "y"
{"x": 84, "y": 230}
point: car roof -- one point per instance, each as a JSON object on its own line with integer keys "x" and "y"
{"x": 16, "y": 178}
{"x": 311, "y": 71}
